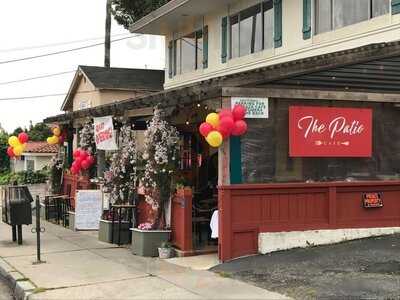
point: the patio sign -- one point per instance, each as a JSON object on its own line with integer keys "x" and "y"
{"x": 104, "y": 133}
{"x": 330, "y": 132}
{"x": 256, "y": 108}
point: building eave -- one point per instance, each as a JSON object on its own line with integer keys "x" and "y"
{"x": 212, "y": 88}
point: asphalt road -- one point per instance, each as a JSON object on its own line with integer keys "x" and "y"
{"x": 361, "y": 269}
{"x": 5, "y": 292}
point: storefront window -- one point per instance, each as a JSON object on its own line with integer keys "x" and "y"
{"x": 266, "y": 159}
{"x": 251, "y": 31}
{"x": 334, "y": 14}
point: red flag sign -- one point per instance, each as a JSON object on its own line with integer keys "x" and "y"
{"x": 330, "y": 132}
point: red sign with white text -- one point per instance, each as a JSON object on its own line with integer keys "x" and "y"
{"x": 330, "y": 132}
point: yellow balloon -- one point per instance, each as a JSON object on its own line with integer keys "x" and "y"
{"x": 23, "y": 146}
{"x": 13, "y": 141}
{"x": 18, "y": 150}
{"x": 214, "y": 138}
{"x": 55, "y": 139}
{"x": 49, "y": 140}
{"x": 213, "y": 119}
{"x": 56, "y": 131}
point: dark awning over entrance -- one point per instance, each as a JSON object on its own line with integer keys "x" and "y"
{"x": 381, "y": 75}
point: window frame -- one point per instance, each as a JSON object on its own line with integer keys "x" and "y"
{"x": 315, "y": 15}
{"x": 261, "y": 10}
{"x": 177, "y": 47}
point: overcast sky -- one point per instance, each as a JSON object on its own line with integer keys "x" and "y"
{"x": 25, "y": 24}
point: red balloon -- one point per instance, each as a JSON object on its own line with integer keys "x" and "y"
{"x": 85, "y": 164}
{"x": 77, "y": 153}
{"x": 74, "y": 170}
{"x": 10, "y": 152}
{"x": 240, "y": 128}
{"x": 77, "y": 164}
{"x": 91, "y": 160}
{"x": 224, "y": 132}
{"x": 228, "y": 123}
{"x": 205, "y": 128}
{"x": 225, "y": 113}
{"x": 23, "y": 137}
{"x": 238, "y": 112}
{"x": 83, "y": 154}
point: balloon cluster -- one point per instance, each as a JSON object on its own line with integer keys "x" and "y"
{"x": 218, "y": 127}
{"x": 57, "y": 137}
{"x": 17, "y": 144}
{"x": 82, "y": 160}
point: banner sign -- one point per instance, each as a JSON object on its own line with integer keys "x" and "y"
{"x": 330, "y": 132}
{"x": 256, "y": 108}
{"x": 104, "y": 133}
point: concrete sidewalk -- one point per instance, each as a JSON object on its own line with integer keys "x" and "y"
{"x": 78, "y": 266}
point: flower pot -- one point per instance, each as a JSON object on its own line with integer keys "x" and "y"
{"x": 165, "y": 253}
{"x": 71, "y": 220}
{"x": 106, "y": 232}
{"x": 146, "y": 242}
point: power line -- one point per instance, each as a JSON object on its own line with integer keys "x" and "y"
{"x": 37, "y": 77}
{"x": 57, "y": 44}
{"x": 42, "y": 96}
{"x": 63, "y": 51}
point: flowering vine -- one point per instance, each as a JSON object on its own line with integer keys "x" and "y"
{"x": 121, "y": 177}
{"x": 86, "y": 137}
{"x": 161, "y": 158}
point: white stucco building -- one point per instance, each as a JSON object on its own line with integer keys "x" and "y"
{"x": 37, "y": 156}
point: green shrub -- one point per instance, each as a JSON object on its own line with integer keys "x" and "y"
{"x": 24, "y": 177}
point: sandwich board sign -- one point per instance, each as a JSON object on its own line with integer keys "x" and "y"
{"x": 88, "y": 209}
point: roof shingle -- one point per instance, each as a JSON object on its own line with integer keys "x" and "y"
{"x": 40, "y": 147}
{"x": 123, "y": 78}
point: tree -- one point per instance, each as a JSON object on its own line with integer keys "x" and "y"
{"x": 161, "y": 148}
{"x": 39, "y": 132}
{"x": 4, "y": 159}
{"x": 17, "y": 131}
{"x": 127, "y": 12}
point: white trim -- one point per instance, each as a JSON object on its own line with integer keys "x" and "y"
{"x": 153, "y": 231}
{"x": 276, "y": 241}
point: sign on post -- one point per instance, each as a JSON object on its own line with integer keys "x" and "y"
{"x": 88, "y": 209}
{"x": 104, "y": 133}
{"x": 330, "y": 132}
{"x": 256, "y": 108}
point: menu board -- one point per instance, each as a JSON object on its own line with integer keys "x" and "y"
{"x": 88, "y": 209}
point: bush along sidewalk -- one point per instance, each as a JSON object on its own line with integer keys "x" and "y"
{"x": 24, "y": 177}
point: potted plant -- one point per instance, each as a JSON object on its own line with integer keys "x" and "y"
{"x": 119, "y": 186}
{"x": 161, "y": 149}
{"x": 165, "y": 250}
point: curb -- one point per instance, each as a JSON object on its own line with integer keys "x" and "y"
{"x": 21, "y": 287}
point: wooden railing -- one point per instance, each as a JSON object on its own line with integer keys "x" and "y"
{"x": 246, "y": 210}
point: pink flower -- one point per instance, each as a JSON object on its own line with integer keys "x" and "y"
{"x": 145, "y": 226}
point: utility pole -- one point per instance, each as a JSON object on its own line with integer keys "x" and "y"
{"x": 107, "y": 42}
{"x": 101, "y": 154}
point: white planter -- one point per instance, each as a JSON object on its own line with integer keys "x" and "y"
{"x": 165, "y": 253}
